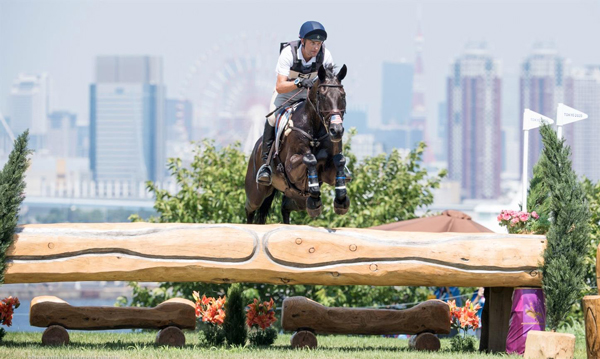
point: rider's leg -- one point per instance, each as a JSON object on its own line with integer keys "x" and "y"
{"x": 263, "y": 176}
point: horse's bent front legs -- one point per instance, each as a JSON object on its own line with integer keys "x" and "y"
{"x": 341, "y": 203}
{"x": 313, "y": 202}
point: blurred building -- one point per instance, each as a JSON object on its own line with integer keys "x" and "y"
{"x": 396, "y": 93}
{"x": 474, "y": 125}
{"x": 127, "y": 137}
{"x": 582, "y": 136}
{"x": 441, "y": 150}
{"x": 66, "y": 138}
{"x": 28, "y": 106}
{"x": 418, "y": 114}
{"x": 543, "y": 85}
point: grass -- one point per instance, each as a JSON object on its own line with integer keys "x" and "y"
{"x": 141, "y": 345}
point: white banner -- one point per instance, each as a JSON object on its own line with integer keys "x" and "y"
{"x": 533, "y": 120}
{"x": 566, "y": 114}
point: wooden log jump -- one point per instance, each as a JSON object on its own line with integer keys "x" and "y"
{"x": 277, "y": 254}
{"x": 306, "y": 317}
{"x": 57, "y": 315}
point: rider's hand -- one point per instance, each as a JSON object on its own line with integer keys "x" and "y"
{"x": 304, "y": 83}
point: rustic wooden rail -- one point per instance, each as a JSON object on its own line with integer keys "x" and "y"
{"x": 57, "y": 316}
{"x": 282, "y": 254}
{"x": 277, "y": 254}
{"x": 306, "y": 317}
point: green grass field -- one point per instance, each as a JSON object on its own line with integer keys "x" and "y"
{"x": 141, "y": 345}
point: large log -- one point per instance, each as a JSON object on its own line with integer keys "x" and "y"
{"x": 275, "y": 254}
{"x": 591, "y": 311}
{"x": 300, "y": 312}
{"x": 46, "y": 311}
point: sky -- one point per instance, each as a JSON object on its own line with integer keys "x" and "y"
{"x": 63, "y": 38}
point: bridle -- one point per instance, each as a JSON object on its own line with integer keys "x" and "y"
{"x": 329, "y": 113}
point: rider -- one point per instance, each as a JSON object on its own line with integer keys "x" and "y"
{"x": 297, "y": 67}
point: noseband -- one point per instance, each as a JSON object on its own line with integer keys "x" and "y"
{"x": 327, "y": 114}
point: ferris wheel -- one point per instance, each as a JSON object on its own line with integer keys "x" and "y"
{"x": 230, "y": 86}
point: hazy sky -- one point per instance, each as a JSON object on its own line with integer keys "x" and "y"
{"x": 62, "y": 38}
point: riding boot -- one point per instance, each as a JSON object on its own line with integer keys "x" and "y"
{"x": 264, "y": 172}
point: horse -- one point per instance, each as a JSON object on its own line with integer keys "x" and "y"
{"x": 310, "y": 155}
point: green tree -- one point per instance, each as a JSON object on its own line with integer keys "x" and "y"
{"x": 568, "y": 238}
{"x": 538, "y": 198}
{"x": 234, "y": 324}
{"x": 12, "y": 194}
{"x": 385, "y": 188}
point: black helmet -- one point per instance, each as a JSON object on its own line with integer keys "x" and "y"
{"x": 313, "y": 30}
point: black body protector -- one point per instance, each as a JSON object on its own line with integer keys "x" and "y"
{"x": 297, "y": 70}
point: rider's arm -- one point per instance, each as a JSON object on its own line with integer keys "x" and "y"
{"x": 284, "y": 85}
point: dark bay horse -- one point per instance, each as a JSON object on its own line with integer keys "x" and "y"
{"x": 310, "y": 155}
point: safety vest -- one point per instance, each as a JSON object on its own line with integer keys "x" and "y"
{"x": 297, "y": 69}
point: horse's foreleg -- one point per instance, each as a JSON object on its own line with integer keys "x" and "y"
{"x": 341, "y": 203}
{"x": 313, "y": 177}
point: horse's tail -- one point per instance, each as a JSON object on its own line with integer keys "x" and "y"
{"x": 263, "y": 211}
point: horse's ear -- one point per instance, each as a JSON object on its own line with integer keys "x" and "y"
{"x": 342, "y": 73}
{"x": 322, "y": 74}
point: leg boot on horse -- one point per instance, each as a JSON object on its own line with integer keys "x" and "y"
{"x": 264, "y": 172}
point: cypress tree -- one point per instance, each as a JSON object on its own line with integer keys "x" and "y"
{"x": 538, "y": 198}
{"x": 563, "y": 269}
{"x": 12, "y": 194}
{"x": 234, "y": 324}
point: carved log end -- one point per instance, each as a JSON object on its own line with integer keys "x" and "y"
{"x": 55, "y": 335}
{"x": 304, "y": 339}
{"x": 171, "y": 336}
{"x": 424, "y": 341}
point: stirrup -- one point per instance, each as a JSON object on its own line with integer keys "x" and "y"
{"x": 263, "y": 177}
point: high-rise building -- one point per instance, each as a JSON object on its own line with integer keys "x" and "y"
{"x": 127, "y": 139}
{"x": 418, "y": 118}
{"x": 543, "y": 83}
{"x": 65, "y": 137}
{"x": 582, "y": 136}
{"x": 474, "y": 125}
{"x": 396, "y": 94}
{"x": 29, "y": 106}
{"x": 441, "y": 151}
{"x": 178, "y": 119}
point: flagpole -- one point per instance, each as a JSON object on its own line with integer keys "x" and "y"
{"x": 559, "y": 131}
{"x": 525, "y": 171}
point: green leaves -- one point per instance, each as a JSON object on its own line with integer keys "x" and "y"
{"x": 12, "y": 194}
{"x": 568, "y": 238}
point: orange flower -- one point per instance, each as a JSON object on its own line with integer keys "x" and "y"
{"x": 210, "y": 309}
{"x": 7, "y": 307}
{"x": 261, "y": 314}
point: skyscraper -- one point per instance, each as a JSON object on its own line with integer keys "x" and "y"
{"x": 543, "y": 86}
{"x": 127, "y": 140}
{"x": 474, "y": 125}
{"x": 29, "y": 107}
{"x": 418, "y": 119}
{"x": 396, "y": 93}
{"x": 582, "y": 136}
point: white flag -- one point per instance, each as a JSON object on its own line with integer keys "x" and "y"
{"x": 533, "y": 120}
{"x": 566, "y": 114}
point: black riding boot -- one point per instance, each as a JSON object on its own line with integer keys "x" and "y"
{"x": 264, "y": 173}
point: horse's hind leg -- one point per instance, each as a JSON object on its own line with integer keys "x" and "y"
{"x": 287, "y": 206}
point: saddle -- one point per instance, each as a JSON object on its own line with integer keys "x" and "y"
{"x": 284, "y": 124}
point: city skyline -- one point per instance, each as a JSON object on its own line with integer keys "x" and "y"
{"x": 388, "y": 28}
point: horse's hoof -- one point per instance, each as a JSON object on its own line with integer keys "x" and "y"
{"x": 341, "y": 208}
{"x": 314, "y": 207}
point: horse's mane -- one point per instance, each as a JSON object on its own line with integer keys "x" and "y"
{"x": 330, "y": 71}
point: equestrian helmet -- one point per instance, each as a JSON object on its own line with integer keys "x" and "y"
{"x": 313, "y": 30}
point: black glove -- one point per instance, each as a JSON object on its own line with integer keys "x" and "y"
{"x": 304, "y": 83}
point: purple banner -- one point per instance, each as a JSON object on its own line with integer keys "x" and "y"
{"x": 528, "y": 313}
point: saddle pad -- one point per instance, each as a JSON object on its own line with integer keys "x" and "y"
{"x": 281, "y": 124}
